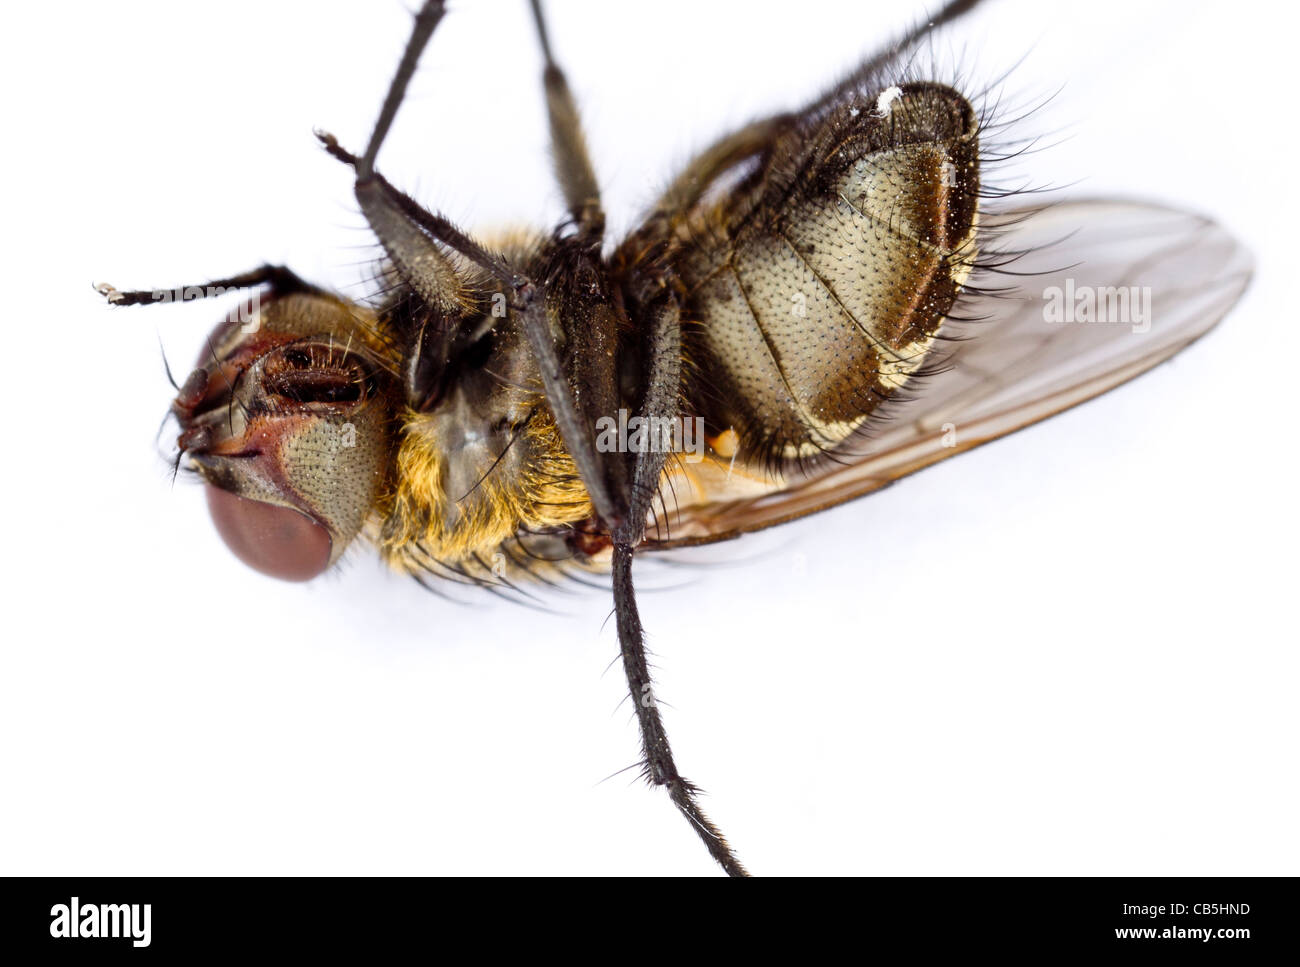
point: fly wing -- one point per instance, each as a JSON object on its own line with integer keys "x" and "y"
{"x": 1101, "y": 292}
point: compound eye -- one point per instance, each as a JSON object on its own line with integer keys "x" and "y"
{"x": 276, "y": 541}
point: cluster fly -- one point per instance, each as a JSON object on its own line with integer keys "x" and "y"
{"x": 821, "y": 302}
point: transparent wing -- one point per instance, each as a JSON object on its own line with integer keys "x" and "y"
{"x": 1103, "y": 291}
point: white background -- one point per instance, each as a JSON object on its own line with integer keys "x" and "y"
{"x": 1070, "y": 652}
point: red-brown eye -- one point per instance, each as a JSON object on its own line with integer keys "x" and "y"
{"x": 277, "y": 541}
